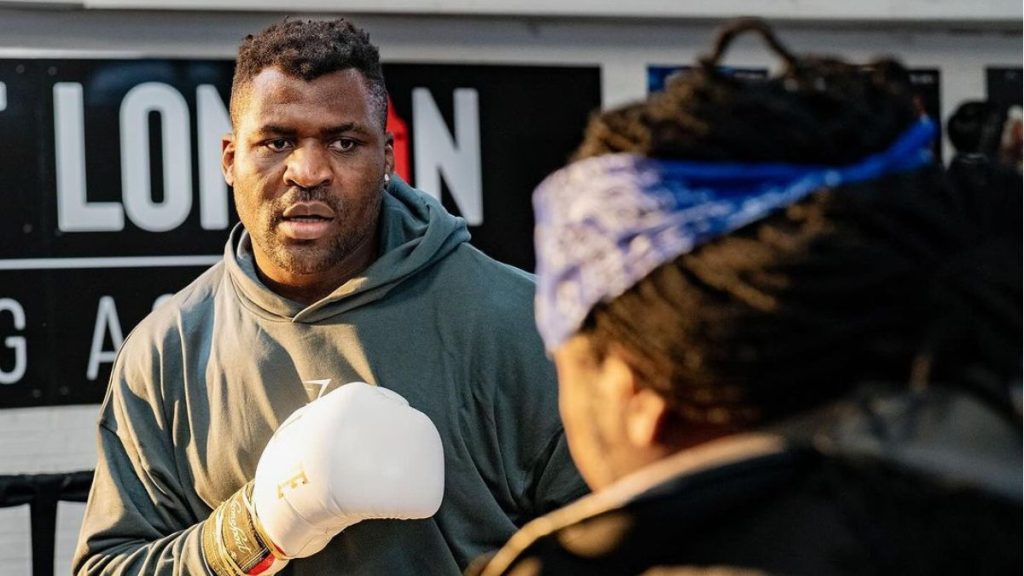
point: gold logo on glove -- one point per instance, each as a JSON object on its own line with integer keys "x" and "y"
{"x": 292, "y": 483}
{"x": 235, "y": 509}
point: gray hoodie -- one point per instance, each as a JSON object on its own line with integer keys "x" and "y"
{"x": 202, "y": 383}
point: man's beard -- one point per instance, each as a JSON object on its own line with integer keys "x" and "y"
{"x": 309, "y": 257}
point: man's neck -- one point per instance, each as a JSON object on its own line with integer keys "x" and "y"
{"x": 303, "y": 293}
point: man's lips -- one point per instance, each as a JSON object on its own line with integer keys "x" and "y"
{"x": 314, "y": 208}
{"x": 307, "y": 220}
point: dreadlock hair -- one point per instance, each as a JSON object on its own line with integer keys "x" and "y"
{"x": 902, "y": 279}
{"x": 308, "y": 49}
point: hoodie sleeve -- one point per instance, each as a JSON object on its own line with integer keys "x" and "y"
{"x": 137, "y": 520}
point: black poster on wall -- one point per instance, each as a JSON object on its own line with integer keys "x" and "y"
{"x": 1004, "y": 86}
{"x": 113, "y": 195}
{"x": 927, "y": 83}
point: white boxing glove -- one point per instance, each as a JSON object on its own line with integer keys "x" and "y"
{"x": 358, "y": 453}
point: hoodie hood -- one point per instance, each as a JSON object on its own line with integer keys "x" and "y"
{"x": 415, "y": 232}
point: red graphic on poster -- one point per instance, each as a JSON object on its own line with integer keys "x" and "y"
{"x": 397, "y": 127}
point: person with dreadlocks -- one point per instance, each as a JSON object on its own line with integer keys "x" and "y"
{"x": 785, "y": 344}
{"x": 353, "y": 389}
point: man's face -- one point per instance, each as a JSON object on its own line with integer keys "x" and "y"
{"x": 307, "y": 163}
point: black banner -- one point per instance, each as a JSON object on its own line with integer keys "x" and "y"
{"x": 114, "y": 196}
{"x": 927, "y": 83}
{"x": 1004, "y": 86}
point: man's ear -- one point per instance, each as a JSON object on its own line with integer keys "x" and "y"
{"x": 227, "y": 158}
{"x": 389, "y": 153}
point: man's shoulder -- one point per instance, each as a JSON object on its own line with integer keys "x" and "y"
{"x": 152, "y": 354}
{"x": 485, "y": 299}
{"x": 486, "y": 312}
{"x": 184, "y": 310}
{"x": 497, "y": 287}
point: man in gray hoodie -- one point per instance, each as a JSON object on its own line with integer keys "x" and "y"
{"x": 339, "y": 272}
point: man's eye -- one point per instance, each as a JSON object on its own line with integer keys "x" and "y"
{"x": 344, "y": 144}
{"x": 277, "y": 144}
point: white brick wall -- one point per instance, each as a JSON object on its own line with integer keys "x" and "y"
{"x": 14, "y": 542}
{"x": 40, "y": 441}
{"x": 50, "y": 439}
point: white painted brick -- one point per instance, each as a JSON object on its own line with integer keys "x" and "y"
{"x": 44, "y": 441}
{"x": 15, "y": 542}
{"x": 48, "y": 439}
{"x": 69, "y": 520}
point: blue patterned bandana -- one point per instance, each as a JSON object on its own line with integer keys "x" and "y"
{"x": 605, "y": 223}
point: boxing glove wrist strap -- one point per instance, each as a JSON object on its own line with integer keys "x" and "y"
{"x": 234, "y": 542}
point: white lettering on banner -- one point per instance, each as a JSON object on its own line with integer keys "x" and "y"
{"x": 74, "y": 214}
{"x": 213, "y": 123}
{"x": 106, "y": 322}
{"x": 16, "y": 343}
{"x": 458, "y": 160}
{"x": 135, "y": 161}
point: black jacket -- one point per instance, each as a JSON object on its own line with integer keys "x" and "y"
{"x": 912, "y": 491}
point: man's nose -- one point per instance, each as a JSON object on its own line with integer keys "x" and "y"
{"x": 308, "y": 166}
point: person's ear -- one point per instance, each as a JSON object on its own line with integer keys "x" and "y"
{"x": 227, "y": 158}
{"x": 645, "y": 418}
{"x": 643, "y": 409}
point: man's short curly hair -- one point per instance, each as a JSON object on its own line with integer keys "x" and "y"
{"x": 308, "y": 49}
